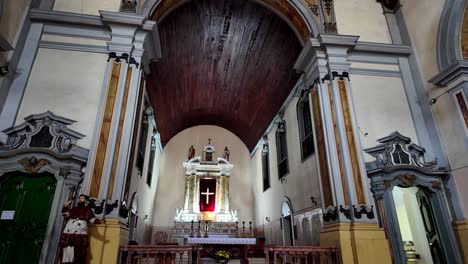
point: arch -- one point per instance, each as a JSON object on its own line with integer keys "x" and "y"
{"x": 286, "y": 207}
{"x": 287, "y": 219}
{"x": 299, "y": 17}
{"x": 449, "y": 37}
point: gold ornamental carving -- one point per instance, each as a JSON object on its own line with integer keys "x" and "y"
{"x": 33, "y": 165}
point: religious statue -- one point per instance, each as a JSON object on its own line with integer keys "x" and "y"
{"x": 191, "y": 153}
{"x": 226, "y": 153}
{"x": 74, "y": 238}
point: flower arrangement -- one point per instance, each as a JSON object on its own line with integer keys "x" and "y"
{"x": 222, "y": 256}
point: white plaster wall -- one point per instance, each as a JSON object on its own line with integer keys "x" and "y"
{"x": 362, "y": 18}
{"x": 69, "y": 84}
{"x": 146, "y": 194}
{"x": 170, "y": 192}
{"x": 302, "y": 181}
{"x": 11, "y": 22}
{"x": 422, "y": 20}
{"x": 386, "y": 112}
{"x": 452, "y": 130}
{"x": 454, "y": 137}
{"x": 90, "y": 7}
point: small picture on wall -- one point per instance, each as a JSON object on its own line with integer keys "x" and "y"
{"x": 463, "y": 106}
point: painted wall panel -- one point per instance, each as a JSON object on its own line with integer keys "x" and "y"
{"x": 69, "y": 84}
{"x": 387, "y": 112}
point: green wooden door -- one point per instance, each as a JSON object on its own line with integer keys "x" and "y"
{"x": 432, "y": 232}
{"x": 30, "y": 197}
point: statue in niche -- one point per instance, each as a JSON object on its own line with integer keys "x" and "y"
{"x": 191, "y": 153}
{"x": 226, "y": 153}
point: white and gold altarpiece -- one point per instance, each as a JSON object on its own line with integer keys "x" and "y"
{"x": 207, "y": 188}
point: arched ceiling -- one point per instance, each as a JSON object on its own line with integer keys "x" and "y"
{"x": 226, "y": 63}
{"x": 282, "y": 7}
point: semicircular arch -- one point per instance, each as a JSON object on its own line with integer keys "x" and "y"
{"x": 295, "y": 13}
{"x": 452, "y": 38}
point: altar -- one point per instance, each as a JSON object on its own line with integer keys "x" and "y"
{"x": 236, "y": 246}
{"x": 207, "y": 188}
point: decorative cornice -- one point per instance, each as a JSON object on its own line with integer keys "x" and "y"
{"x": 374, "y": 72}
{"x": 55, "y": 137}
{"x": 397, "y": 152}
{"x": 337, "y": 40}
{"x": 451, "y": 73}
{"x": 381, "y": 48}
{"x": 64, "y": 17}
{"x": 73, "y": 47}
{"x": 99, "y": 33}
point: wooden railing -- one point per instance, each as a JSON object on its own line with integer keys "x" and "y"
{"x": 159, "y": 254}
{"x": 302, "y": 255}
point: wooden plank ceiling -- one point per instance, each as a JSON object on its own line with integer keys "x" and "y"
{"x": 225, "y": 63}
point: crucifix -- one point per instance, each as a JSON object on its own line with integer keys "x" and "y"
{"x": 207, "y": 193}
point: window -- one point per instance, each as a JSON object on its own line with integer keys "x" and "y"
{"x": 151, "y": 162}
{"x": 281, "y": 150}
{"x": 306, "y": 134}
{"x": 142, "y": 142}
{"x": 265, "y": 166}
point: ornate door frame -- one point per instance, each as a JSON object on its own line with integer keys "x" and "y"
{"x": 398, "y": 162}
{"x": 43, "y": 143}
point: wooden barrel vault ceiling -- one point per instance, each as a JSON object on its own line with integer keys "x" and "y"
{"x": 225, "y": 63}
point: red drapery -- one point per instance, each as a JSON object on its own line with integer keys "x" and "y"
{"x": 207, "y": 188}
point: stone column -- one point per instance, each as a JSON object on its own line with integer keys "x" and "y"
{"x": 349, "y": 217}
{"x": 191, "y": 192}
{"x": 187, "y": 192}
{"x": 196, "y": 195}
{"x": 226, "y": 193}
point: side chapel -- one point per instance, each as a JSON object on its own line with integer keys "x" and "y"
{"x": 318, "y": 131}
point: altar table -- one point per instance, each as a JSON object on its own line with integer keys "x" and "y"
{"x": 236, "y": 246}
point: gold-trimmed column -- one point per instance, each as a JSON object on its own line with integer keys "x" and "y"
{"x": 350, "y": 221}
{"x": 96, "y": 177}
{"x": 327, "y": 192}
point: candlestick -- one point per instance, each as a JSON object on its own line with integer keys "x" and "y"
{"x": 199, "y": 225}
{"x": 191, "y": 229}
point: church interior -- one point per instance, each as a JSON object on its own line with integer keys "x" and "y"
{"x": 240, "y": 131}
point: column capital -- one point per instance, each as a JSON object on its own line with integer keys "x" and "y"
{"x": 312, "y": 63}
{"x": 336, "y": 48}
{"x": 129, "y": 34}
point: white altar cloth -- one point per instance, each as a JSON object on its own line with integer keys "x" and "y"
{"x": 221, "y": 240}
